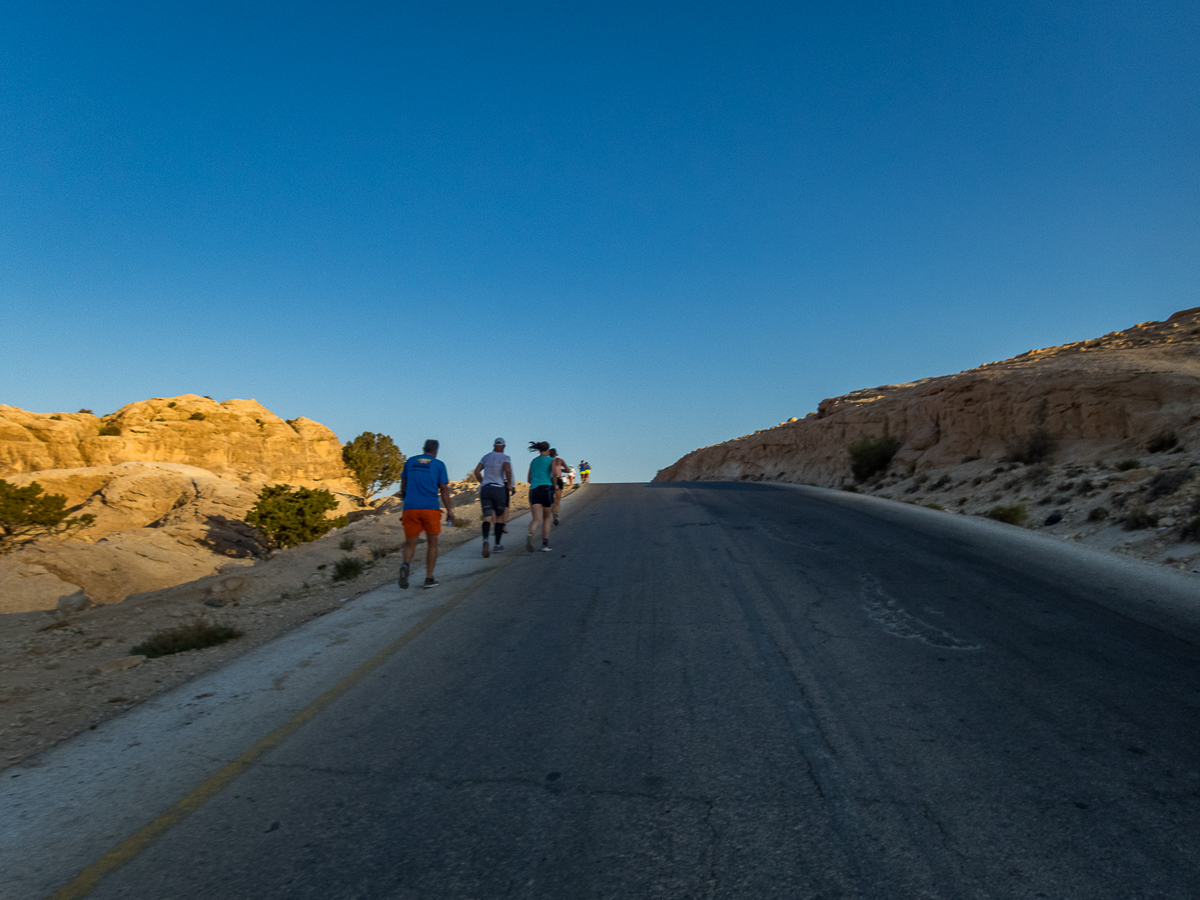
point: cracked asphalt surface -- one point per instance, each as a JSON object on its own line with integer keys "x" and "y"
{"x": 729, "y": 690}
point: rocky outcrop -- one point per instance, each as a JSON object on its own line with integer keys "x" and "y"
{"x": 237, "y": 439}
{"x": 157, "y": 525}
{"x": 1098, "y": 398}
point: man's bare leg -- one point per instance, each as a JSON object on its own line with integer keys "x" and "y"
{"x": 431, "y": 554}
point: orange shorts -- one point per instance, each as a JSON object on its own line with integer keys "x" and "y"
{"x": 417, "y": 520}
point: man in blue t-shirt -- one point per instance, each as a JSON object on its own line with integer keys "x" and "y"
{"x": 422, "y": 484}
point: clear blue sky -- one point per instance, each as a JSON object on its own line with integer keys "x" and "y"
{"x": 630, "y": 229}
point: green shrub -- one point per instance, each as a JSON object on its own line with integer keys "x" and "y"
{"x": 1138, "y": 518}
{"x": 378, "y": 553}
{"x": 1016, "y": 514}
{"x": 290, "y": 517}
{"x": 1035, "y": 447}
{"x": 934, "y": 506}
{"x": 110, "y": 431}
{"x": 86, "y": 412}
{"x": 348, "y": 568}
{"x": 1191, "y": 531}
{"x": 27, "y": 514}
{"x": 56, "y": 417}
{"x": 1126, "y": 464}
{"x": 1166, "y": 483}
{"x": 346, "y": 543}
{"x": 191, "y": 636}
{"x": 1162, "y": 442}
{"x": 197, "y": 417}
{"x": 871, "y": 455}
{"x": 461, "y": 521}
{"x": 1099, "y": 514}
{"x": 171, "y": 405}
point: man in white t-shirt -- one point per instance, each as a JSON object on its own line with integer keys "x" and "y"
{"x": 496, "y": 484}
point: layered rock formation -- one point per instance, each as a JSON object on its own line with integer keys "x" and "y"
{"x": 237, "y": 439}
{"x": 1097, "y": 398}
{"x": 169, "y": 482}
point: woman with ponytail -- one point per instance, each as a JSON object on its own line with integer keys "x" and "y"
{"x": 541, "y": 493}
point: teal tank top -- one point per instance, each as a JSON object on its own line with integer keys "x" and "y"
{"x": 539, "y": 471}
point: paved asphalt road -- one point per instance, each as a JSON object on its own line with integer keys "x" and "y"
{"x": 728, "y": 690}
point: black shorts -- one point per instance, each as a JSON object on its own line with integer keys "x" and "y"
{"x": 561, "y": 484}
{"x": 542, "y": 495}
{"x": 493, "y": 498}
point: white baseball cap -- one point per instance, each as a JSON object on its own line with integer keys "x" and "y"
{"x": 499, "y": 441}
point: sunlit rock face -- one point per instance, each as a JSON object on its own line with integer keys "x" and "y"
{"x": 1098, "y": 398}
{"x": 169, "y": 488}
{"x": 238, "y": 439}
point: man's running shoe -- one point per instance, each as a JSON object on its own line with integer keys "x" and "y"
{"x": 556, "y": 518}
{"x": 529, "y": 543}
{"x": 431, "y": 582}
{"x": 404, "y": 576}
{"x": 486, "y": 551}
{"x": 545, "y": 548}
{"x": 497, "y": 548}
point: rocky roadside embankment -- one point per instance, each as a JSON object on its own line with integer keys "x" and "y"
{"x": 65, "y": 670}
{"x": 1096, "y": 441}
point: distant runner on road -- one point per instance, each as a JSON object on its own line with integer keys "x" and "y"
{"x": 496, "y": 484}
{"x": 541, "y": 493}
{"x": 423, "y": 482}
{"x": 557, "y": 468}
{"x": 585, "y": 471}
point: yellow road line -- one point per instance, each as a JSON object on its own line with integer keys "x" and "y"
{"x": 83, "y": 883}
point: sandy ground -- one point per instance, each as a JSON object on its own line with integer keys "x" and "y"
{"x": 63, "y": 673}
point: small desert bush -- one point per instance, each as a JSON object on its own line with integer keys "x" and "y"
{"x": 56, "y": 417}
{"x": 348, "y": 568}
{"x": 346, "y": 543}
{"x": 1162, "y": 442}
{"x": 1039, "y": 474}
{"x": 1035, "y": 447}
{"x": 940, "y": 483}
{"x": 871, "y": 455}
{"x": 290, "y": 517}
{"x": 110, "y": 431}
{"x": 1166, "y": 483}
{"x": 1016, "y": 514}
{"x": 197, "y": 417}
{"x": 461, "y": 521}
{"x": 1191, "y": 531}
{"x": 190, "y": 636}
{"x": 378, "y": 553}
{"x": 1099, "y": 514}
{"x": 85, "y": 412}
{"x": 1138, "y": 518}
{"x": 1126, "y": 464}
{"x": 934, "y": 506}
{"x": 171, "y": 405}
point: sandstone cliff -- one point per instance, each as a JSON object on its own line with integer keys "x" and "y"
{"x": 1097, "y": 398}
{"x": 169, "y": 482}
{"x": 238, "y": 439}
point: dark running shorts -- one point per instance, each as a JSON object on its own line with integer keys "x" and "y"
{"x": 493, "y": 498}
{"x": 542, "y": 495}
{"x": 561, "y": 484}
